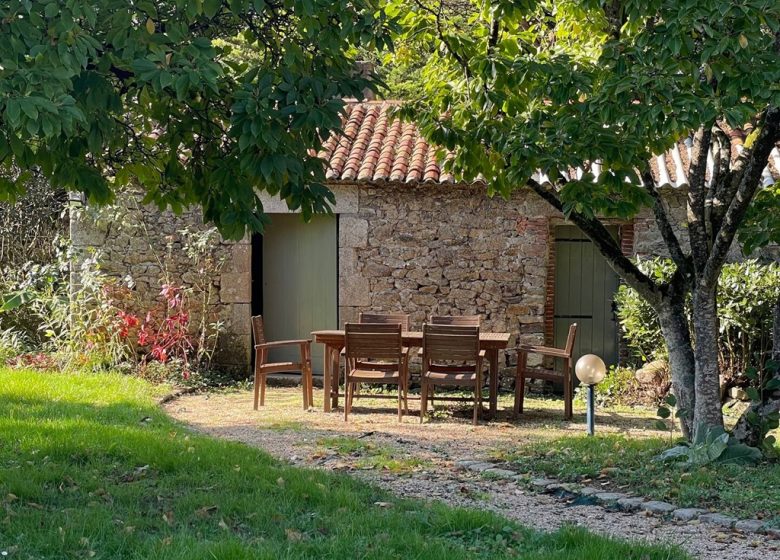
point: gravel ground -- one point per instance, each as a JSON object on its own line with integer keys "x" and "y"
{"x": 283, "y": 429}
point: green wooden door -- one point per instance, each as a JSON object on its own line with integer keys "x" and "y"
{"x": 299, "y": 281}
{"x": 585, "y": 288}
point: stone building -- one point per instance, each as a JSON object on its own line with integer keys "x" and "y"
{"x": 405, "y": 237}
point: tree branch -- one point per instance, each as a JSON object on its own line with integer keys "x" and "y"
{"x": 613, "y": 11}
{"x": 748, "y": 170}
{"x": 696, "y": 196}
{"x": 440, "y": 32}
{"x": 606, "y": 244}
{"x": 723, "y": 187}
{"x": 664, "y": 225}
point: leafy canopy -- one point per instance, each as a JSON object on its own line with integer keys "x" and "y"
{"x": 193, "y": 101}
{"x": 551, "y": 85}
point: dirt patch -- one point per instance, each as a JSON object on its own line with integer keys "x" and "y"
{"x": 418, "y": 460}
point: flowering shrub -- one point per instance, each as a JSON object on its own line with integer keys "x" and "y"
{"x": 82, "y": 317}
{"x": 165, "y": 330}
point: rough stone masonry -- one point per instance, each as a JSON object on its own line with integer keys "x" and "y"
{"x": 422, "y": 249}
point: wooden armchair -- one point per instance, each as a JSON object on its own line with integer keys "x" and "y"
{"x": 374, "y": 354}
{"x": 564, "y": 376}
{"x": 451, "y": 357}
{"x": 263, "y": 367}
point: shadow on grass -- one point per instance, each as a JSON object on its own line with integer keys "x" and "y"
{"x": 120, "y": 480}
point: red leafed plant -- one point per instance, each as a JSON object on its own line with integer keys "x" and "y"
{"x": 165, "y": 329}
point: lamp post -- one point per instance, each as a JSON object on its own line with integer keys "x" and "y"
{"x": 590, "y": 370}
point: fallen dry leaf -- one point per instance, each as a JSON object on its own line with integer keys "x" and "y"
{"x": 206, "y": 511}
{"x": 293, "y": 535}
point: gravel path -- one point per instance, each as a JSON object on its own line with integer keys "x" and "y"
{"x": 286, "y": 431}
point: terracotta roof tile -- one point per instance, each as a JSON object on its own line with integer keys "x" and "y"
{"x": 374, "y": 147}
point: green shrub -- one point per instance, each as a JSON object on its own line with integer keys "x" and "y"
{"x": 619, "y": 387}
{"x": 747, "y": 293}
{"x": 12, "y": 343}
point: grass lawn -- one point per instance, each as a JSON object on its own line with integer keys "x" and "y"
{"x": 627, "y": 462}
{"x": 91, "y": 468}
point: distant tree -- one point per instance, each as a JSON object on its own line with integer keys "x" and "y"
{"x": 556, "y": 85}
{"x": 96, "y": 95}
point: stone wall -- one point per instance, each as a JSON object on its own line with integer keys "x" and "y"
{"x": 446, "y": 250}
{"x": 146, "y": 248}
{"x": 424, "y": 249}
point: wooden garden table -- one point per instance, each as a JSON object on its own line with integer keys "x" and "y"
{"x": 333, "y": 340}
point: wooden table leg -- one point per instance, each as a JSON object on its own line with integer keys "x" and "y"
{"x": 326, "y": 382}
{"x": 492, "y": 356}
{"x": 335, "y": 374}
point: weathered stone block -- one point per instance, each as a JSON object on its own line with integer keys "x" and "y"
{"x": 235, "y": 287}
{"x": 353, "y": 232}
{"x": 499, "y": 473}
{"x": 658, "y": 508}
{"x": 242, "y": 258}
{"x": 354, "y": 291}
{"x": 630, "y": 504}
{"x": 749, "y": 526}
{"x": 688, "y": 514}
{"x": 717, "y": 519}
{"x": 241, "y": 319}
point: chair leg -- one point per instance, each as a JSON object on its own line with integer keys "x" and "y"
{"x": 520, "y": 382}
{"x": 400, "y": 400}
{"x": 262, "y": 390}
{"x": 349, "y": 389}
{"x": 477, "y": 404}
{"x": 305, "y": 388}
{"x": 311, "y": 385}
{"x": 257, "y": 389}
{"x": 567, "y": 390}
{"x": 407, "y": 382}
{"x": 478, "y": 393}
{"x": 423, "y": 398}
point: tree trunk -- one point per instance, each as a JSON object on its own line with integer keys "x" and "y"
{"x": 674, "y": 326}
{"x": 707, "y": 411}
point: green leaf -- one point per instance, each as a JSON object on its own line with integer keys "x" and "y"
{"x": 51, "y": 9}
{"x": 663, "y": 412}
{"x": 773, "y": 384}
{"x": 738, "y": 453}
{"x": 676, "y": 452}
{"x": 14, "y": 300}
{"x": 211, "y": 7}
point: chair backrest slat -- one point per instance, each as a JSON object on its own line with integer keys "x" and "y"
{"x": 457, "y": 320}
{"x": 450, "y": 342}
{"x": 570, "y": 339}
{"x": 373, "y": 340}
{"x": 385, "y": 319}
{"x": 258, "y": 329}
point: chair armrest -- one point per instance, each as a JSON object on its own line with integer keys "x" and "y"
{"x": 282, "y": 343}
{"x": 544, "y": 350}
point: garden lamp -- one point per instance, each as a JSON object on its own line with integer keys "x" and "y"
{"x": 590, "y": 370}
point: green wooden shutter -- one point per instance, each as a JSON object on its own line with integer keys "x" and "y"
{"x": 299, "y": 281}
{"x": 585, "y": 288}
